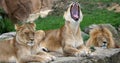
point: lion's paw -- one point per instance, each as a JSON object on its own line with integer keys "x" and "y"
{"x": 83, "y": 53}
{"x": 50, "y": 57}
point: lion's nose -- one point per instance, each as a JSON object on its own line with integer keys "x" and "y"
{"x": 32, "y": 39}
{"x": 104, "y": 42}
{"x": 31, "y": 42}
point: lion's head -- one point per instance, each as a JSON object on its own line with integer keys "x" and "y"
{"x": 25, "y": 33}
{"x": 73, "y": 13}
{"x": 101, "y": 37}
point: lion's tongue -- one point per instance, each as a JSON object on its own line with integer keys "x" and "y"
{"x": 75, "y": 12}
{"x": 76, "y": 16}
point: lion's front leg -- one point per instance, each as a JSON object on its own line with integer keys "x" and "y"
{"x": 47, "y": 55}
{"x": 69, "y": 50}
{"x": 33, "y": 58}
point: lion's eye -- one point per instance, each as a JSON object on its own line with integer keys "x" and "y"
{"x": 32, "y": 33}
{"x": 26, "y": 33}
{"x": 107, "y": 38}
{"x": 98, "y": 37}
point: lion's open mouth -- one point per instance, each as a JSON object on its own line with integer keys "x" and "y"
{"x": 75, "y": 11}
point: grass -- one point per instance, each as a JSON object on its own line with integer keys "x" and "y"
{"x": 6, "y": 25}
{"x": 100, "y": 17}
{"x": 90, "y": 17}
{"x": 50, "y": 22}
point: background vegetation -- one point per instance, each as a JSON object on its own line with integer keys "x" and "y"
{"x": 5, "y": 23}
{"x": 92, "y": 12}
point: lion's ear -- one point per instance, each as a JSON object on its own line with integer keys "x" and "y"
{"x": 40, "y": 34}
{"x": 33, "y": 24}
{"x": 17, "y": 27}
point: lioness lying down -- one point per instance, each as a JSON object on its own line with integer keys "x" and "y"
{"x": 101, "y": 37}
{"x": 24, "y": 46}
{"x": 67, "y": 39}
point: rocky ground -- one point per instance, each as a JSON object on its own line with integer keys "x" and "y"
{"x": 99, "y": 56}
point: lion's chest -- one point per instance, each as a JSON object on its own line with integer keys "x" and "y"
{"x": 75, "y": 35}
{"x": 76, "y": 41}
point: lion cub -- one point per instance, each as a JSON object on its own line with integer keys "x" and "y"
{"x": 101, "y": 37}
{"x": 67, "y": 40}
{"x": 24, "y": 46}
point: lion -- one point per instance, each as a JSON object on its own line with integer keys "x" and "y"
{"x": 24, "y": 46}
{"x": 67, "y": 40}
{"x": 101, "y": 37}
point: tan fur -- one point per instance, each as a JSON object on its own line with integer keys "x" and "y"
{"x": 67, "y": 39}
{"x": 99, "y": 35}
{"x": 24, "y": 46}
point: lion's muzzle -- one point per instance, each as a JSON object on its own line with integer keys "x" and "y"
{"x": 31, "y": 43}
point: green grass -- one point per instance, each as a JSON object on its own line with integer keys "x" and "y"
{"x": 50, "y": 22}
{"x": 99, "y": 16}
{"x": 96, "y": 16}
{"x": 6, "y": 25}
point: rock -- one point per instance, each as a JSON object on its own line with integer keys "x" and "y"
{"x": 20, "y": 10}
{"x": 60, "y": 6}
{"x": 119, "y": 28}
{"x": 100, "y": 56}
{"x": 114, "y": 7}
{"x": 87, "y": 29}
{"x": 110, "y": 27}
{"x": 46, "y": 7}
{"x": 26, "y": 10}
{"x": 9, "y": 35}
